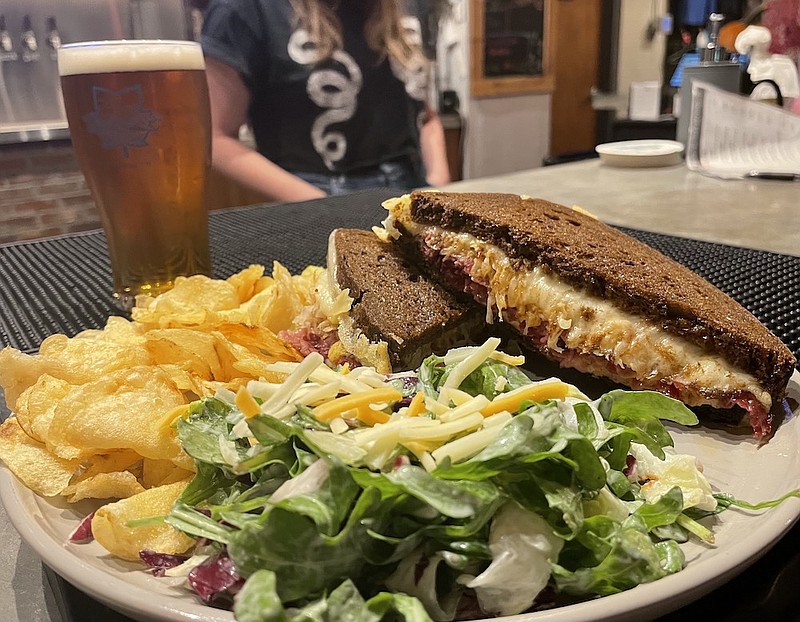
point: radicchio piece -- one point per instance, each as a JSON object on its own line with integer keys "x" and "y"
{"x": 160, "y": 562}
{"x": 215, "y": 580}
{"x": 409, "y": 385}
{"x": 400, "y": 461}
{"x": 630, "y": 464}
{"x": 83, "y": 532}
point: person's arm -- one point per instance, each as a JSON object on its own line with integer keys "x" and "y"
{"x": 434, "y": 152}
{"x": 230, "y": 100}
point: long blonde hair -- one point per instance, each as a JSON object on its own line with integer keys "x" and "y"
{"x": 383, "y": 28}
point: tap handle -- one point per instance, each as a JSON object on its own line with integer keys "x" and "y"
{"x": 6, "y": 45}
{"x": 53, "y": 36}
{"x": 28, "y": 36}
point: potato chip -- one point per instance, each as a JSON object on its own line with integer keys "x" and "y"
{"x": 29, "y": 460}
{"x": 95, "y": 412}
{"x": 238, "y": 361}
{"x": 187, "y": 303}
{"x": 89, "y": 355}
{"x": 259, "y": 340}
{"x": 119, "y": 411}
{"x": 36, "y": 406}
{"x": 261, "y": 284}
{"x": 307, "y": 281}
{"x": 192, "y": 386}
{"x": 161, "y": 472}
{"x": 18, "y": 372}
{"x": 271, "y": 308}
{"x": 116, "y": 485}
{"x": 112, "y": 529}
{"x": 245, "y": 281}
{"x": 184, "y": 461}
{"x": 192, "y": 350}
{"x": 125, "y": 460}
{"x": 276, "y": 301}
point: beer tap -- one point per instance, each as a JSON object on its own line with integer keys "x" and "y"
{"x": 29, "y": 41}
{"x": 714, "y": 52}
{"x": 6, "y": 44}
{"x": 53, "y": 36}
{"x": 30, "y": 46}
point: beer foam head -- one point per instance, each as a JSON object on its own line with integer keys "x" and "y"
{"x": 123, "y": 55}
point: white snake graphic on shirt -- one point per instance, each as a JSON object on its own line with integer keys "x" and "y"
{"x": 337, "y": 89}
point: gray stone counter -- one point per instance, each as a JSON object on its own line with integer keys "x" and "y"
{"x": 750, "y": 213}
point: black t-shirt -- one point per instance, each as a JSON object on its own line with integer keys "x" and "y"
{"x": 336, "y": 116}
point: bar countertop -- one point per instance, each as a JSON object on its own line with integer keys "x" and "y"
{"x": 757, "y": 214}
{"x": 750, "y": 213}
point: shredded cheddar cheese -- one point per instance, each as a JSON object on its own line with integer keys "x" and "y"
{"x": 417, "y": 405}
{"x": 326, "y": 412}
{"x": 247, "y": 403}
{"x": 536, "y": 393}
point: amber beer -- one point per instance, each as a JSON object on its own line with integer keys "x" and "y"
{"x": 139, "y": 119}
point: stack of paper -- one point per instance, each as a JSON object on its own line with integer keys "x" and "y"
{"x": 732, "y": 136}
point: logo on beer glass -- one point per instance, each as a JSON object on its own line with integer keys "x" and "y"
{"x": 120, "y": 118}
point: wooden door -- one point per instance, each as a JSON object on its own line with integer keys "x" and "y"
{"x": 576, "y": 64}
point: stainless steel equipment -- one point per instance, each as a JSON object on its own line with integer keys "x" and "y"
{"x": 32, "y": 30}
{"x": 715, "y": 68}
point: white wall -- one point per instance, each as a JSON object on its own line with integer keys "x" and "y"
{"x": 507, "y": 134}
{"x": 501, "y": 134}
{"x": 639, "y": 59}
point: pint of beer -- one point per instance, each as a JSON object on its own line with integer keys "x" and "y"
{"x": 139, "y": 119}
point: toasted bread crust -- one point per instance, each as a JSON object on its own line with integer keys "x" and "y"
{"x": 393, "y": 300}
{"x": 588, "y": 254}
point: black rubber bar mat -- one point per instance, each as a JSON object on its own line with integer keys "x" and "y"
{"x": 64, "y": 282}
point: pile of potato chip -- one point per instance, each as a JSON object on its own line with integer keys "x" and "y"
{"x": 93, "y": 413}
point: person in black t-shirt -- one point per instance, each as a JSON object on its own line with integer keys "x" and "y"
{"x": 335, "y": 93}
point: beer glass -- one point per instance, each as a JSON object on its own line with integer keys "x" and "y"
{"x": 138, "y": 115}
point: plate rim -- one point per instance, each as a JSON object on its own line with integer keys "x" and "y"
{"x": 657, "y": 598}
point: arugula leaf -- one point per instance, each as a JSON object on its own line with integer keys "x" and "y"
{"x": 619, "y": 405}
{"x": 258, "y": 600}
{"x": 407, "y": 606}
{"x": 208, "y": 480}
{"x": 636, "y": 416}
{"x": 628, "y": 558}
{"x": 305, "y": 561}
{"x": 482, "y": 381}
{"x": 456, "y": 499}
{"x": 204, "y": 428}
{"x": 663, "y": 512}
{"x": 328, "y": 506}
{"x": 486, "y": 378}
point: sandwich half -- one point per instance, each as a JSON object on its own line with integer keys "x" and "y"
{"x": 591, "y": 298}
{"x": 373, "y": 307}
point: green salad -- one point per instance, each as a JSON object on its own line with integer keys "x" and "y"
{"x": 462, "y": 489}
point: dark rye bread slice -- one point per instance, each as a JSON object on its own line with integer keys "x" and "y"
{"x": 394, "y": 302}
{"x": 588, "y": 254}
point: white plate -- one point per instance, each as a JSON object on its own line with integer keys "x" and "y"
{"x": 733, "y": 463}
{"x": 641, "y": 153}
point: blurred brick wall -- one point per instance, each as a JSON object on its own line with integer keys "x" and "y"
{"x": 42, "y": 192}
